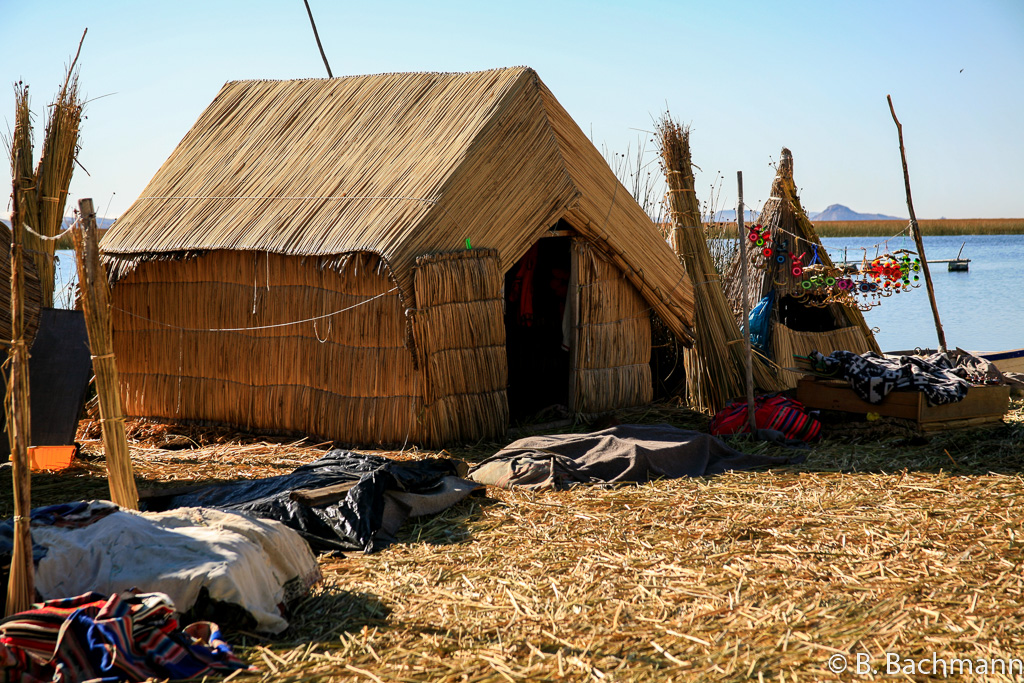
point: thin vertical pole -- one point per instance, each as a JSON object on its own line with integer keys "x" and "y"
{"x": 748, "y": 355}
{"x": 915, "y": 230}
{"x": 317, "y": 36}
{"x": 21, "y": 580}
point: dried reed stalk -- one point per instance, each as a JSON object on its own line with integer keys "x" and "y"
{"x": 46, "y": 188}
{"x": 714, "y": 366}
{"x": 867, "y": 547}
{"x": 95, "y": 296}
{"x": 18, "y": 407}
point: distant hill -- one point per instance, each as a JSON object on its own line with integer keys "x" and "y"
{"x": 729, "y": 216}
{"x": 838, "y": 212}
{"x": 835, "y": 212}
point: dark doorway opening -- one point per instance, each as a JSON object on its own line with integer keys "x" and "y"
{"x": 537, "y": 330}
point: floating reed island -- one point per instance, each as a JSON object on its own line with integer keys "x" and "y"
{"x": 880, "y": 542}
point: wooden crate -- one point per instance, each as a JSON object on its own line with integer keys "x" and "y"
{"x": 984, "y": 403}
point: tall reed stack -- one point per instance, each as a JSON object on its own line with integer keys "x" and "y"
{"x": 95, "y": 297}
{"x": 21, "y": 583}
{"x": 714, "y": 365}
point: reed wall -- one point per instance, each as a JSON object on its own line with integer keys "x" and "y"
{"x": 348, "y": 376}
{"x": 459, "y": 333}
{"x": 611, "y": 358}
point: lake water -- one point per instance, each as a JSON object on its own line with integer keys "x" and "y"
{"x": 981, "y": 310}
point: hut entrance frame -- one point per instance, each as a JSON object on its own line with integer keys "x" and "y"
{"x": 539, "y": 329}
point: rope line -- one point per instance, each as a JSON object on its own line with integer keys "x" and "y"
{"x": 258, "y": 327}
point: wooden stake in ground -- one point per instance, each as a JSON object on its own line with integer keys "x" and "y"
{"x": 916, "y": 231}
{"x": 747, "y": 352}
{"x": 95, "y": 294}
{"x": 21, "y": 581}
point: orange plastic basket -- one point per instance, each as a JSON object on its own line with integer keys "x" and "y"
{"x": 50, "y": 457}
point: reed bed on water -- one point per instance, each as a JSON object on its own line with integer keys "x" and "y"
{"x": 882, "y": 541}
{"x": 945, "y": 226}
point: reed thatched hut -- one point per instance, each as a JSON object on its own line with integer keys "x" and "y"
{"x": 799, "y": 324}
{"x": 386, "y": 259}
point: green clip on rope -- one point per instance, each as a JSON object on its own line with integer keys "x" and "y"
{"x": 468, "y": 245}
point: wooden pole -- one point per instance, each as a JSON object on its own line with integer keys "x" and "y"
{"x": 95, "y": 295}
{"x": 748, "y": 355}
{"x": 317, "y": 36}
{"x": 21, "y": 580}
{"x": 915, "y": 230}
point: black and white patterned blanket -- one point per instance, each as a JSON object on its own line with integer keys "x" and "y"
{"x": 873, "y": 376}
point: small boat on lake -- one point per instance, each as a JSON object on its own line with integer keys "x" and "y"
{"x": 1006, "y": 361}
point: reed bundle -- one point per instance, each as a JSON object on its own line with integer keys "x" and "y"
{"x": 18, "y": 410}
{"x": 459, "y": 332}
{"x": 95, "y": 298}
{"x": 610, "y": 364}
{"x": 714, "y": 366}
{"x": 400, "y": 165}
{"x": 46, "y": 187}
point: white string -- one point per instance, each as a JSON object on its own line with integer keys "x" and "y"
{"x": 260, "y": 327}
{"x": 50, "y": 238}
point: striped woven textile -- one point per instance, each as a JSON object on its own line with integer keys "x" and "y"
{"x": 124, "y": 637}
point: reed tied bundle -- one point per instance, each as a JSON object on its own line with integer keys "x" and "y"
{"x": 714, "y": 365}
{"x": 17, "y": 404}
{"x": 95, "y": 297}
{"x": 45, "y": 189}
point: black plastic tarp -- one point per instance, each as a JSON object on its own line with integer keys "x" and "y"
{"x": 354, "y": 523}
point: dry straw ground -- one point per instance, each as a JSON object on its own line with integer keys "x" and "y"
{"x": 881, "y": 542}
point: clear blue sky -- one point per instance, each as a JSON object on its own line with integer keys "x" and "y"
{"x": 750, "y": 77}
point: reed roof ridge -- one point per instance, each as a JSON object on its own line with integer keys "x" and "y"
{"x": 521, "y": 67}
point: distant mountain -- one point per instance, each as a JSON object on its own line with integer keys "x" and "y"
{"x": 835, "y": 212}
{"x": 729, "y": 216}
{"x": 838, "y": 212}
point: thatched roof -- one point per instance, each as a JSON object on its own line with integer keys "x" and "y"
{"x": 399, "y": 165}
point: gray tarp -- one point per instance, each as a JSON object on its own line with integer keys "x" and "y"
{"x": 626, "y": 453}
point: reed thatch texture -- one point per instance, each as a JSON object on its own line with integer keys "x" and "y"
{"x": 610, "y": 365}
{"x": 787, "y": 343}
{"x": 786, "y": 218}
{"x": 399, "y": 165}
{"x": 459, "y": 333}
{"x": 348, "y": 376}
{"x": 715, "y": 364}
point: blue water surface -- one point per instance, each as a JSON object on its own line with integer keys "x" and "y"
{"x": 980, "y": 310}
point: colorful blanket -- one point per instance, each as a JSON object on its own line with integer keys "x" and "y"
{"x": 125, "y": 637}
